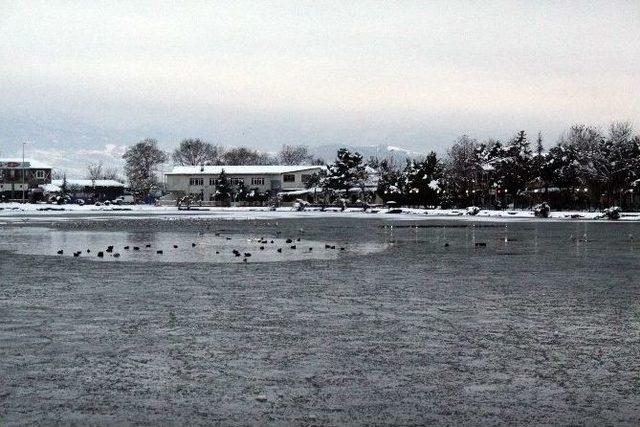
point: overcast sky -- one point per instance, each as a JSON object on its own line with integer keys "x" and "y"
{"x": 409, "y": 73}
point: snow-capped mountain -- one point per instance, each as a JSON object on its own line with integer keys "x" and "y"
{"x": 328, "y": 152}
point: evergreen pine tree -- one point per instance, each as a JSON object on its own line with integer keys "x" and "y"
{"x": 224, "y": 190}
{"x": 389, "y": 181}
{"x": 348, "y": 171}
{"x": 422, "y": 180}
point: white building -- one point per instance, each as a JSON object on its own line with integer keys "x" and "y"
{"x": 201, "y": 181}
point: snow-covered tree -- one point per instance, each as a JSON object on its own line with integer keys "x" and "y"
{"x": 64, "y": 187}
{"x": 622, "y": 151}
{"x": 510, "y": 164}
{"x": 537, "y": 163}
{"x": 514, "y": 168}
{"x": 589, "y": 144}
{"x": 562, "y": 167}
{"x": 390, "y": 180}
{"x": 422, "y": 180}
{"x": 224, "y": 189}
{"x": 256, "y": 196}
{"x": 240, "y": 191}
{"x": 347, "y": 172}
{"x": 315, "y": 181}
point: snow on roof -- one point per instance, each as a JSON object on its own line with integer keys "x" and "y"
{"x": 89, "y": 183}
{"x": 15, "y": 162}
{"x": 302, "y": 192}
{"x": 240, "y": 170}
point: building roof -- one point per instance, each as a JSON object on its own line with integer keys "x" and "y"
{"x": 29, "y": 163}
{"x": 240, "y": 170}
{"x": 89, "y": 183}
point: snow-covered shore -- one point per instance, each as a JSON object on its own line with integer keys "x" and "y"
{"x": 15, "y": 211}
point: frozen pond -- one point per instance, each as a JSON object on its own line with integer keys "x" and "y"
{"x": 415, "y": 322}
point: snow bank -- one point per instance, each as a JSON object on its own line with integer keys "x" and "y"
{"x": 17, "y": 211}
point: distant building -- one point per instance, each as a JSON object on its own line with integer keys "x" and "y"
{"x": 200, "y": 181}
{"x": 16, "y": 177}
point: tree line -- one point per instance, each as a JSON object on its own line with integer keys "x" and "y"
{"x": 196, "y": 152}
{"x": 143, "y": 160}
{"x": 585, "y": 168}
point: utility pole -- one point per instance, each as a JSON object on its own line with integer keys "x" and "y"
{"x": 23, "y": 176}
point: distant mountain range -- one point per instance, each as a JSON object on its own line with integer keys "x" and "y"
{"x": 328, "y": 152}
{"x": 70, "y": 147}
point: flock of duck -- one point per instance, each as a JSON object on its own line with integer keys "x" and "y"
{"x": 293, "y": 245}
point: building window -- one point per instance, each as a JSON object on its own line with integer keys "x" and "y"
{"x": 257, "y": 181}
{"x": 39, "y": 174}
{"x": 305, "y": 178}
{"x": 196, "y": 181}
{"x": 289, "y": 177}
{"x": 232, "y": 181}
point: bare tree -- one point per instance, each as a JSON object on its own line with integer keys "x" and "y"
{"x": 294, "y": 155}
{"x": 57, "y": 174}
{"x": 620, "y": 132}
{"x": 94, "y": 171}
{"x": 141, "y": 165}
{"x": 111, "y": 172}
{"x": 245, "y": 156}
{"x": 194, "y": 152}
{"x": 461, "y": 168}
{"x": 98, "y": 170}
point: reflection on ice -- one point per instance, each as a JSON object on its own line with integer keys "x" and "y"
{"x": 178, "y": 247}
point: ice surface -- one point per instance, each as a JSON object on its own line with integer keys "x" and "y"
{"x": 191, "y": 247}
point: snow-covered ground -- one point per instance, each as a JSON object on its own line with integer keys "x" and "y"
{"x": 17, "y": 211}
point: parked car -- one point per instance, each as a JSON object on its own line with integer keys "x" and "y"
{"x": 473, "y": 210}
{"x": 126, "y": 199}
{"x": 542, "y": 210}
{"x": 612, "y": 212}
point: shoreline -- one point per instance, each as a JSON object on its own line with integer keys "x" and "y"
{"x": 13, "y": 213}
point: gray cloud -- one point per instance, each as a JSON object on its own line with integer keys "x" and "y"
{"x": 414, "y": 74}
